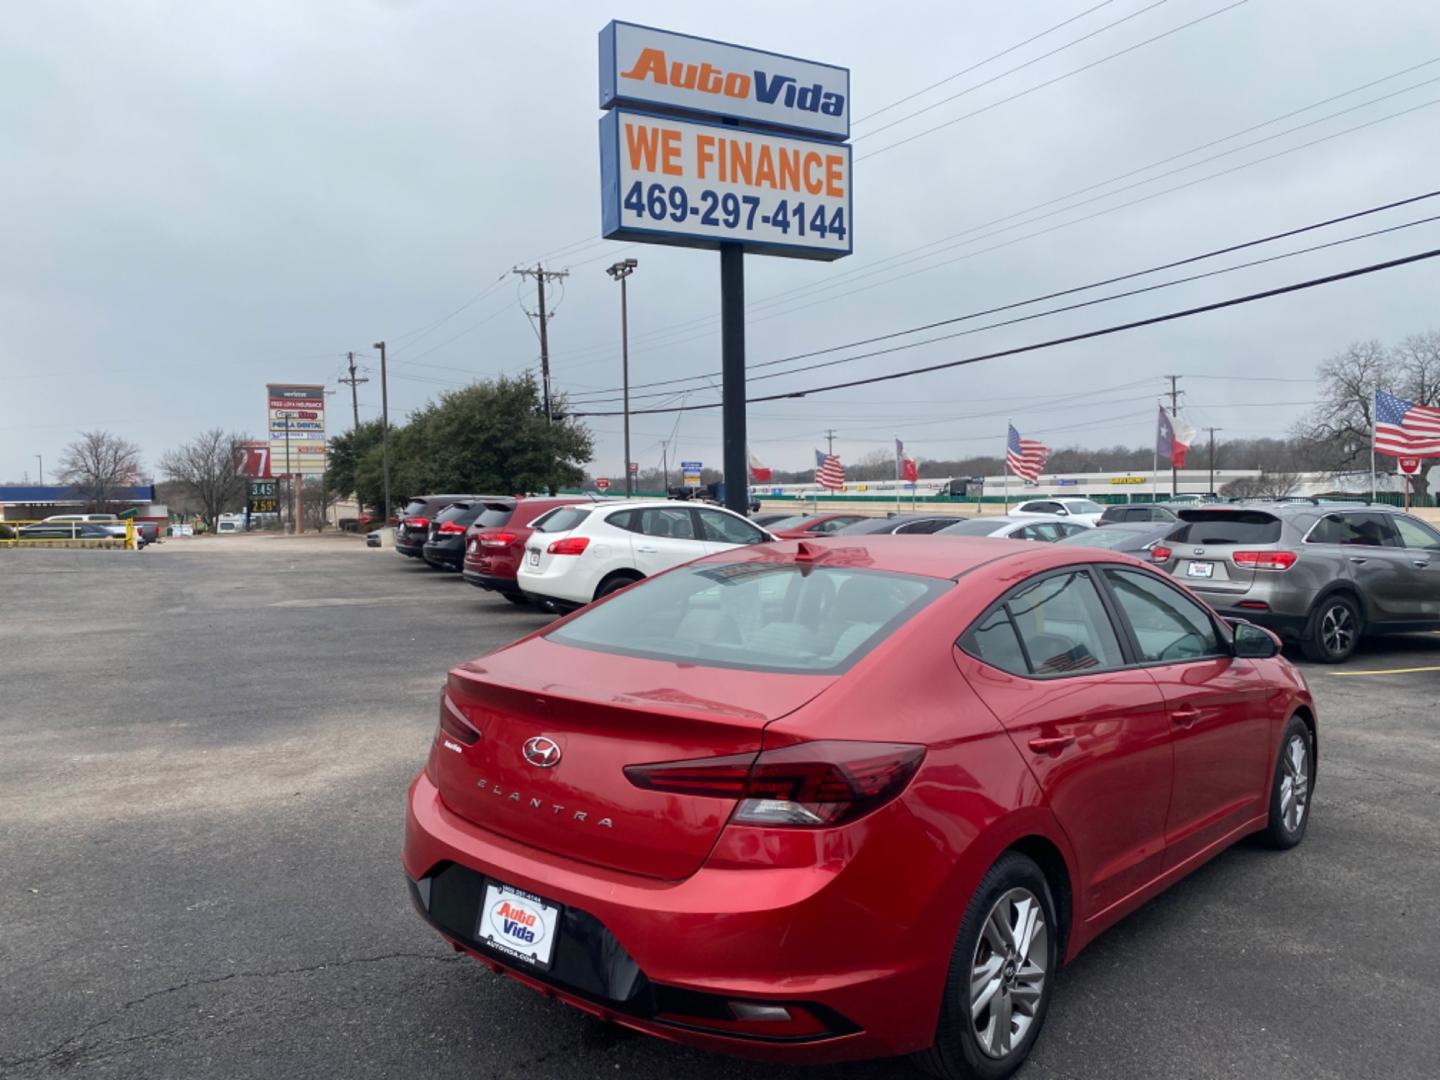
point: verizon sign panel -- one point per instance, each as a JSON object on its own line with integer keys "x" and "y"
{"x": 703, "y": 185}
{"x": 297, "y": 428}
{"x": 659, "y": 69}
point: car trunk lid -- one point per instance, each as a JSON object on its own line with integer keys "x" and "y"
{"x": 1204, "y": 551}
{"x": 570, "y": 795}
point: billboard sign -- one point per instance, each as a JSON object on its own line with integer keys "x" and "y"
{"x": 691, "y": 471}
{"x": 297, "y": 411}
{"x": 699, "y": 184}
{"x": 668, "y": 72}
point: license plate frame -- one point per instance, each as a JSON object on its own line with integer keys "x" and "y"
{"x": 533, "y": 555}
{"x": 1204, "y": 570}
{"x": 534, "y": 915}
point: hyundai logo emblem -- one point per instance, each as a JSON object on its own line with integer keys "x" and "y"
{"x": 542, "y": 751}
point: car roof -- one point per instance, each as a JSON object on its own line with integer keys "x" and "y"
{"x": 928, "y": 555}
{"x": 617, "y": 504}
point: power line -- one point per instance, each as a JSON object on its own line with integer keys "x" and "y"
{"x": 1153, "y": 320}
{"x": 966, "y": 236}
{"x": 1056, "y": 294}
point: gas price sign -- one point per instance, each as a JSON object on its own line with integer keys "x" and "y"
{"x": 700, "y": 185}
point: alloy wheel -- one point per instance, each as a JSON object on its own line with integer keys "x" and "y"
{"x": 1008, "y": 972}
{"x": 1337, "y": 630}
{"x": 1294, "y": 782}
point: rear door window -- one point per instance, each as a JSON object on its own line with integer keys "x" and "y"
{"x": 1061, "y": 626}
{"x": 1169, "y": 627}
{"x": 1357, "y": 530}
{"x": 1230, "y": 527}
{"x": 672, "y": 523}
{"x": 721, "y": 528}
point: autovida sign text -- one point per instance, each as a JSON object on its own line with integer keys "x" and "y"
{"x": 708, "y": 144}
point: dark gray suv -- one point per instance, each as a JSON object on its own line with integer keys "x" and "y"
{"x": 1318, "y": 574}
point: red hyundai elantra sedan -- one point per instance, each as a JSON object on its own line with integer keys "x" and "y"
{"x": 849, "y": 797}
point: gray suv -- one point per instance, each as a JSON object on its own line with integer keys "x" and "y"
{"x": 1318, "y": 574}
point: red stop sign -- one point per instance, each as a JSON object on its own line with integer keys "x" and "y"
{"x": 602, "y": 484}
{"x": 1409, "y": 465}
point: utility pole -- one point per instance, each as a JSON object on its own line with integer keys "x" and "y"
{"x": 41, "y": 464}
{"x": 541, "y": 276}
{"x": 830, "y": 440}
{"x": 665, "y": 463}
{"x": 620, "y": 271}
{"x": 1175, "y": 393}
{"x": 289, "y": 477}
{"x": 384, "y": 428}
{"x": 353, "y": 381}
{"x": 1211, "y": 431}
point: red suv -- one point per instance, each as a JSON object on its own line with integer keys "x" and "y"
{"x": 495, "y": 543}
{"x": 850, "y": 797}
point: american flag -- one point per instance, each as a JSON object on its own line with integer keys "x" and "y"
{"x": 829, "y": 473}
{"x": 1404, "y": 429}
{"x": 1025, "y": 457}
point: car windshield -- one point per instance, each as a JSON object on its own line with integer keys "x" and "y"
{"x": 1229, "y": 527}
{"x": 1083, "y": 506}
{"x": 975, "y": 527}
{"x": 561, "y": 519}
{"x": 760, "y": 616}
{"x": 1112, "y": 536}
{"x": 792, "y": 522}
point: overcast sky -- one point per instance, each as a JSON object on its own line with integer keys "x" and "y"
{"x": 201, "y": 197}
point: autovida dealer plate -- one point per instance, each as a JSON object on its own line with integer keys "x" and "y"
{"x": 518, "y": 924}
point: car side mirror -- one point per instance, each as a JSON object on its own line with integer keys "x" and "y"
{"x": 1063, "y": 512}
{"x": 1253, "y": 642}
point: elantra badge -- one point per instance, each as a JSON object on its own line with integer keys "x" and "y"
{"x": 542, "y": 751}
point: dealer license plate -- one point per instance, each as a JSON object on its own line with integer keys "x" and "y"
{"x": 1200, "y": 569}
{"x": 518, "y": 924}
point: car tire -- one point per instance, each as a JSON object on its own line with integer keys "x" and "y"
{"x": 1291, "y": 786}
{"x": 969, "y": 1044}
{"x": 516, "y": 598}
{"x": 1333, "y": 630}
{"x": 616, "y": 582}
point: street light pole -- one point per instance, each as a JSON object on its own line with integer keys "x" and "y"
{"x": 620, "y": 271}
{"x": 384, "y": 429}
{"x": 41, "y": 460}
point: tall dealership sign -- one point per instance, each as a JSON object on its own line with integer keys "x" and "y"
{"x": 711, "y": 145}
{"x": 297, "y": 429}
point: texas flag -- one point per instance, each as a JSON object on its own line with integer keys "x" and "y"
{"x": 906, "y": 469}
{"x": 1173, "y": 437}
{"x": 759, "y": 473}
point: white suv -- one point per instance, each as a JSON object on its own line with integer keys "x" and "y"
{"x": 580, "y": 553}
{"x": 1086, "y": 511}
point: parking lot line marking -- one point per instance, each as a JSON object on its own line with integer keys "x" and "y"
{"x": 1390, "y": 671}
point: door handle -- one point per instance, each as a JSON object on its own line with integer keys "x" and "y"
{"x": 1185, "y": 715}
{"x": 1358, "y": 558}
{"x": 1421, "y": 563}
{"x": 647, "y": 550}
{"x": 1051, "y": 744}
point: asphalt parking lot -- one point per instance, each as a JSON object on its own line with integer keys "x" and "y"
{"x": 204, "y": 750}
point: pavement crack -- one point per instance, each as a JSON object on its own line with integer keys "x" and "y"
{"x": 67, "y": 1048}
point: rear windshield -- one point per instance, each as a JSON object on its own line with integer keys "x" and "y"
{"x": 413, "y": 507}
{"x": 755, "y": 616}
{"x": 494, "y": 515}
{"x": 794, "y": 521}
{"x": 460, "y": 512}
{"x": 561, "y": 519}
{"x": 975, "y": 527}
{"x": 1229, "y": 527}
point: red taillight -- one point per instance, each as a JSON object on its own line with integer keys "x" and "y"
{"x": 417, "y": 523}
{"x": 1160, "y": 554}
{"x": 1265, "y": 560}
{"x": 498, "y": 540}
{"x": 455, "y": 724}
{"x": 449, "y": 528}
{"x": 808, "y": 784}
{"x": 571, "y": 545}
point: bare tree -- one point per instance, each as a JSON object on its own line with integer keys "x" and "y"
{"x": 97, "y": 464}
{"x": 206, "y": 468}
{"x": 1417, "y": 362}
{"x": 1337, "y": 430}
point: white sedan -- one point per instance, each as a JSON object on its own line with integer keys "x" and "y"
{"x": 1014, "y": 527}
{"x": 1086, "y": 510}
{"x": 580, "y": 553}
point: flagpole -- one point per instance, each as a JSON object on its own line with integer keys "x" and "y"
{"x": 1155, "y": 466}
{"x": 1008, "y": 425}
{"x": 897, "y": 476}
{"x": 1373, "y": 406}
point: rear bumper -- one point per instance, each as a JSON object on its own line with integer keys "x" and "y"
{"x": 414, "y": 551}
{"x": 445, "y": 557}
{"x": 665, "y": 957}
{"x": 493, "y": 582}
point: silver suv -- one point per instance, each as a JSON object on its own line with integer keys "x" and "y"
{"x": 1318, "y": 574}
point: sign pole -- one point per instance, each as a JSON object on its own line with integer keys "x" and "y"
{"x": 732, "y": 380}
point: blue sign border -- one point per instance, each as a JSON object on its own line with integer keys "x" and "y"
{"x": 612, "y": 228}
{"x": 610, "y": 96}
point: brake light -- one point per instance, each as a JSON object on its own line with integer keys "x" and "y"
{"x": 503, "y": 539}
{"x": 417, "y": 522}
{"x": 1159, "y": 553}
{"x": 812, "y": 784}
{"x": 455, "y": 723}
{"x": 571, "y": 545}
{"x": 1265, "y": 560}
{"x": 449, "y": 528}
